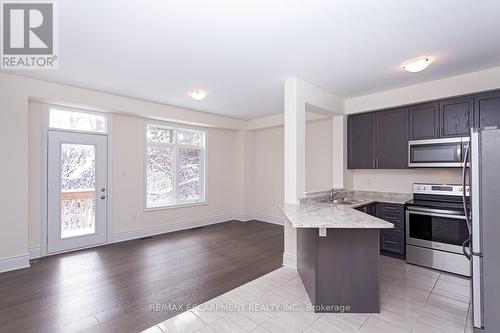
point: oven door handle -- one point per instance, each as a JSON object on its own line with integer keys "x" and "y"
{"x": 430, "y": 213}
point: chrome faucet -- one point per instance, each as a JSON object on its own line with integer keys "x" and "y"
{"x": 334, "y": 192}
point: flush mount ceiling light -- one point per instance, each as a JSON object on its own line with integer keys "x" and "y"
{"x": 198, "y": 94}
{"x": 417, "y": 64}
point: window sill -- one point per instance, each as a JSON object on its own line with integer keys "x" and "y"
{"x": 174, "y": 206}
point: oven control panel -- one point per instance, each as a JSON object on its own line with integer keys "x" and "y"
{"x": 440, "y": 189}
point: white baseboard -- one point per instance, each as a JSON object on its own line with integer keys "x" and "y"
{"x": 268, "y": 218}
{"x": 193, "y": 223}
{"x": 289, "y": 260}
{"x": 262, "y": 217}
{"x": 171, "y": 227}
{"x": 13, "y": 263}
{"x": 35, "y": 252}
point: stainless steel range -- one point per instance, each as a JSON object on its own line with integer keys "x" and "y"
{"x": 436, "y": 228}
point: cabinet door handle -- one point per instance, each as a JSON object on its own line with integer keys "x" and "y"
{"x": 391, "y": 242}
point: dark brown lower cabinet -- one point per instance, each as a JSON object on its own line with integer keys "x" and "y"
{"x": 340, "y": 271}
{"x": 392, "y": 241}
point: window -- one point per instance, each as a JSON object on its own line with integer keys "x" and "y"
{"x": 77, "y": 121}
{"x": 174, "y": 166}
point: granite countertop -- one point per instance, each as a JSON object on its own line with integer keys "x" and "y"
{"x": 314, "y": 212}
{"x": 327, "y": 215}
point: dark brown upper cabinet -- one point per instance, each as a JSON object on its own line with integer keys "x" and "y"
{"x": 361, "y": 143}
{"x": 392, "y": 139}
{"x": 379, "y": 140}
{"x": 456, "y": 117}
{"x": 487, "y": 110}
{"x": 424, "y": 121}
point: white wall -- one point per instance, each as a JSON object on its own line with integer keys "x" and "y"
{"x": 484, "y": 80}
{"x": 319, "y": 155}
{"x": 265, "y": 165}
{"x": 401, "y": 180}
{"x": 13, "y": 173}
{"x": 224, "y": 196}
{"x": 264, "y": 171}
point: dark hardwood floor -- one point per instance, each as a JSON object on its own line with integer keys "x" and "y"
{"x": 111, "y": 288}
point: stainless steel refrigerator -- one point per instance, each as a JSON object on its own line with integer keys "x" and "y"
{"x": 484, "y": 225}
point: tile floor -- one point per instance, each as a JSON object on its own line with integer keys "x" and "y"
{"x": 414, "y": 299}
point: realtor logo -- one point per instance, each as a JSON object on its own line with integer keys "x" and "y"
{"x": 29, "y": 39}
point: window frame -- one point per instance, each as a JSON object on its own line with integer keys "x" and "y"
{"x": 203, "y": 164}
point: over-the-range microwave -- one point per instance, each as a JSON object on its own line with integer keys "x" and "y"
{"x": 437, "y": 153}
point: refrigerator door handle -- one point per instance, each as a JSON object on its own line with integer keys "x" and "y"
{"x": 477, "y": 291}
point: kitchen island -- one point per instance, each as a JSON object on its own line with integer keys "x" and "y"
{"x": 338, "y": 255}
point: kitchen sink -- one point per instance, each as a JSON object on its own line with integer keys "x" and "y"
{"x": 341, "y": 202}
{"x": 346, "y": 201}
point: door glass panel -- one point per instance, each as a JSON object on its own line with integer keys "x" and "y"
{"x": 438, "y": 229}
{"x": 189, "y": 174}
{"x": 78, "y": 195}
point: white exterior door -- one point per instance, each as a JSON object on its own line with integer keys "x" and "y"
{"x": 77, "y": 190}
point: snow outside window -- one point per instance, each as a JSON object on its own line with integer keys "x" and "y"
{"x": 77, "y": 121}
{"x": 174, "y": 166}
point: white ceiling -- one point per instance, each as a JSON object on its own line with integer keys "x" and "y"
{"x": 241, "y": 51}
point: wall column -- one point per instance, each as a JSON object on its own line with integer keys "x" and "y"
{"x": 297, "y": 94}
{"x": 294, "y": 144}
